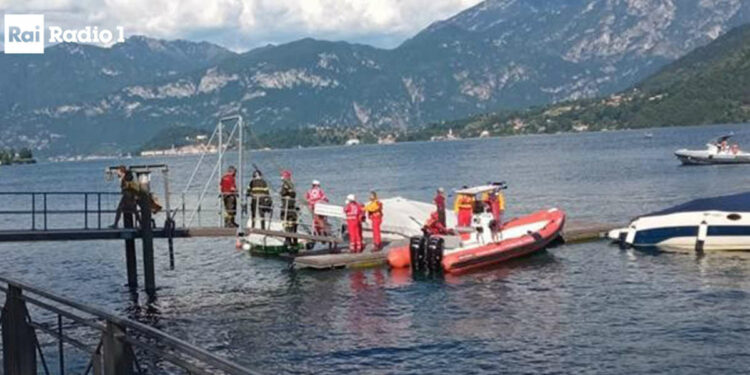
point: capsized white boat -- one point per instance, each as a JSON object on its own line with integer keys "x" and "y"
{"x": 714, "y": 154}
{"x": 711, "y": 224}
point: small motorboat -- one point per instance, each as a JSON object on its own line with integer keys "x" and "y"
{"x": 717, "y": 151}
{"x": 477, "y": 247}
{"x": 711, "y": 224}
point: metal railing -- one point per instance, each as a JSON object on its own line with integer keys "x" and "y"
{"x": 121, "y": 346}
{"x": 40, "y": 206}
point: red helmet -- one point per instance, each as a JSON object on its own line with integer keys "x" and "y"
{"x": 285, "y": 174}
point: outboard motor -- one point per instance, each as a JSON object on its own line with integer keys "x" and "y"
{"x": 434, "y": 258}
{"x": 416, "y": 253}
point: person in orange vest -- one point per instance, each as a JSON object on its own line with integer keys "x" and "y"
{"x": 374, "y": 210}
{"x": 353, "y": 211}
{"x": 465, "y": 208}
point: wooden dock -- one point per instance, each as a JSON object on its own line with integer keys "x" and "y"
{"x": 573, "y": 232}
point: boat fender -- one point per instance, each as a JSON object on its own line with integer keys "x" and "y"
{"x": 702, "y": 234}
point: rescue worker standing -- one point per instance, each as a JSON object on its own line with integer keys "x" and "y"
{"x": 313, "y": 197}
{"x": 128, "y": 203}
{"x": 465, "y": 208}
{"x": 260, "y": 198}
{"x": 353, "y": 212}
{"x": 440, "y": 205}
{"x": 228, "y": 188}
{"x": 496, "y": 203}
{"x": 374, "y": 209}
{"x": 289, "y": 209}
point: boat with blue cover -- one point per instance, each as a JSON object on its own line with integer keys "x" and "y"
{"x": 710, "y": 224}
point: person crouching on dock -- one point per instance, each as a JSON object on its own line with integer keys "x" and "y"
{"x": 228, "y": 189}
{"x": 354, "y": 214}
{"x": 129, "y": 201}
{"x": 374, "y": 210}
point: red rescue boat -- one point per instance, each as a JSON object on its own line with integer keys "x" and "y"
{"x": 476, "y": 247}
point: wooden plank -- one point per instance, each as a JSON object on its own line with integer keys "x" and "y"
{"x": 585, "y": 231}
{"x": 346, "y": 260}
{"x": 343, "y": 260}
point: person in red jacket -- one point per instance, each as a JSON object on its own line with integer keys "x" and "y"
{"x": 228, "y": 189}
{"x": 313, "y": 197}
{"x": 433, "y": 225}
{"x": 374, "y": 210}
{"x": 354, "y": 214}
{"x": 440, "y": 205}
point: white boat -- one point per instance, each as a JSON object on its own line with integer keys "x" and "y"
{"x": 716, "y": 152}
{"x": 711, "y": 224}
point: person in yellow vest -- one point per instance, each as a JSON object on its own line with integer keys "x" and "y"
{"x": 464, "y": 206}
{"x": 374, "y": 209}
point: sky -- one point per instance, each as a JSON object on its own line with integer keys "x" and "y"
{"x": 241, "y": 25}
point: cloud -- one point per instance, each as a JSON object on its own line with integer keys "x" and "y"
{"x": 245, "y": 24}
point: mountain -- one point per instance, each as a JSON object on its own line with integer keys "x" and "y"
{"x": 500, "y": 54}
{"x": 69, "y": 72}
{"x": 707, "y": 86}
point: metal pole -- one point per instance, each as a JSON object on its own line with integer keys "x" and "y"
{"x": 19, "y": 350}
{"x": 241, "y": 166}
{"x": 33, "y": 211}
{"x": 99, "y": 210}
{"x": 221, "y": 167}
{"x": 147, "y": 237}
{"x": 130, "y": 255}
{"x": 117, "y": 359}
{"x": 45, "y": 210}
{"x": 60, "y": 349}
{"x": 86, "y": 210}
{"x": 169, "y": 223}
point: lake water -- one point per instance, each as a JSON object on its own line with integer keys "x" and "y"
{"x": 589, "y": 308}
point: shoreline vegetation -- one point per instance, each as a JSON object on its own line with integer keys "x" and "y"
{"x": 10, "y": 156}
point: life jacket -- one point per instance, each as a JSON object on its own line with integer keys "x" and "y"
{"x": 374, "y": 209}
{"x": 464, "y": 202}
{"x": 258, "y": 187}
{"x": 227, "y": 184}
{"x": 315, "y": 195}
{"x": 353, "y": 211}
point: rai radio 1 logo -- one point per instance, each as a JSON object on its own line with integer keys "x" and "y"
{"x": 25, "y": 34}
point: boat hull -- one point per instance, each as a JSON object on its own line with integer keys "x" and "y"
{"x": 704, "y": 157}
{"x": 688, "y": 232}
{"x": 520, "y": 237}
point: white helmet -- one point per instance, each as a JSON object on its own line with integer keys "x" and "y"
{"x": 316, "y": 182}
{"x": 350, "y": 198}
